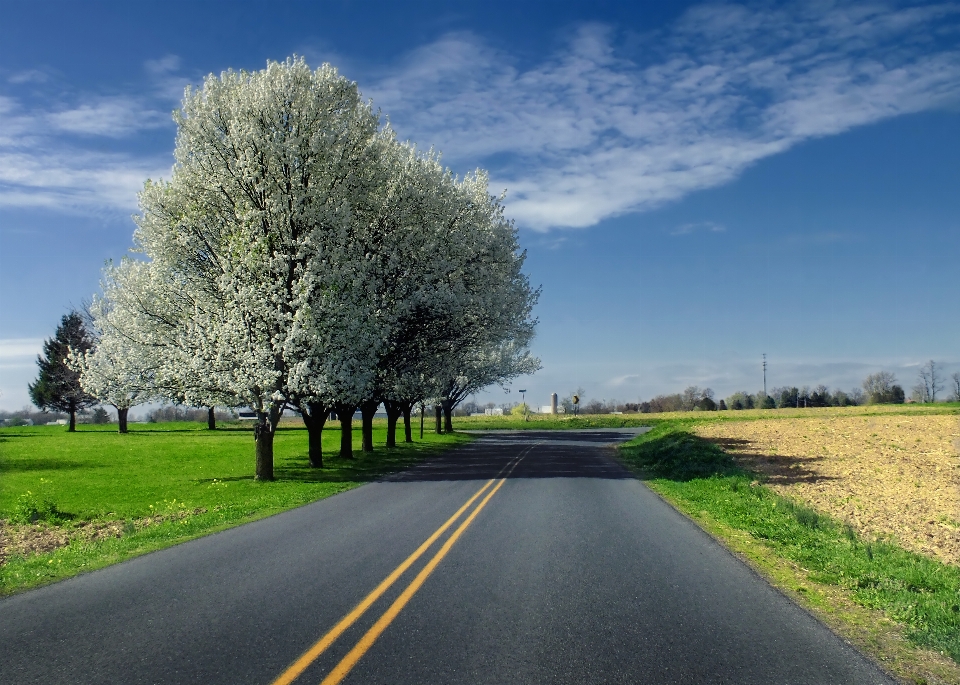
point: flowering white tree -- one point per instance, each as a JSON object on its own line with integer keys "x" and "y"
{"x": 445, "y": 287}
{"x": 409, "y": 289}
{"x": 481, "y": 368}
{"x": 494, "y": 325}
{"x": 118, "y": 370}
{"x": 273, "y": 173}
{"x": 300, "y": 256}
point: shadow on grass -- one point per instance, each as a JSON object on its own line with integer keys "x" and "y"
{"x": 138, "y": 430}
{"x": 362, "y": 468}
{"x": 45, "y": 464}
{"x": 670, "y": 452}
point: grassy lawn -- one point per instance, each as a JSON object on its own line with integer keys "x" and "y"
{"x": 874, "y": 592}
{"x": 116, "y": 496}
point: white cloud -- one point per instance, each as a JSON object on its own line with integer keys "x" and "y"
{"x": 114, "y": 117}
{"x": 589, "y": 134}
{"x": 52, "y": 152}
{"x": 163, "y": 65}
{"x": 29, "y": 76}
{"x": 698, "y": 227}
{"x": 585, "y": 134}
{"x": 72, "y": 180}
{"x": 167, "y": 82}
{"x": 47, "y": 160}
{"x": 19, "y": 348}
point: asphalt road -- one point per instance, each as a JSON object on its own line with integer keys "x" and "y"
{"x": 563, "y": 569}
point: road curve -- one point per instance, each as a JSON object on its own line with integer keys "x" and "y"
{"x": 540, "y": 561}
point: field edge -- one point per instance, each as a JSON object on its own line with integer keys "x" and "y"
{"x": 878, "y": 637}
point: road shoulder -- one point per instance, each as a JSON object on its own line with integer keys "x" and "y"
{"x": 870, "y": 631}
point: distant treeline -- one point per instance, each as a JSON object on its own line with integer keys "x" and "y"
{"x": 164, "y": 414}
{"x": 878, "y": 388}
{"x": 30, "y": 417}
{"x": 168, "y": 413}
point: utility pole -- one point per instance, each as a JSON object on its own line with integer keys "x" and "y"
{"x": 523, "y": 401}
{"x": 764, "y": 374}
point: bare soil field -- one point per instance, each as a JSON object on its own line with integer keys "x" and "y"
{"x": 889, "y": 476}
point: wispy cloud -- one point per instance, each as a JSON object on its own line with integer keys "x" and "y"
{"x": 593, "y": 131}
{"x": 113, "y": 117}
{"x": 18, "y": 367}
{"x": 52, "y": 154}
{"x": 72, "y": 180}
{"x": 621, "y": 381}
{"x": 698, "y": 227}
{"x": 29, "y": 76}
{"x": 589, "y": 133}
{"x": 162, "y": 66}
{"x": 166, "y": 78}
{"x": 19, "y": 348}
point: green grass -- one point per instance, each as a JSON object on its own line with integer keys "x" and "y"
{"x": 199, "y": 480}
{"x": 919, "y": 593}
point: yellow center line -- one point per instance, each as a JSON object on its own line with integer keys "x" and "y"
{"x": 354, "y": 655}
{"x": 308, "y": 657}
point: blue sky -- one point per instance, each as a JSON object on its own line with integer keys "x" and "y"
{"x": 695, "y": 184}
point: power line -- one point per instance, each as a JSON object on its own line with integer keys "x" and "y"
{"x": 764, "y": 374}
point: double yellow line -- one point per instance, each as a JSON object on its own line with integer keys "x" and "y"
{"x": 354, "y": 655}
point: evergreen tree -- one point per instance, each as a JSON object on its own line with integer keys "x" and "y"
{"x": 58, "y": 386}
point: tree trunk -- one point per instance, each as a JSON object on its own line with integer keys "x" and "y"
{"x": 367, "y": 409}
{"x": 345, "y": 412}
{"x": 394, "y": 410}
{"x": 122, "y": 418}
{"x": 438, "y": 415}
{"x": 407, "y": 432}
{"x": 423, "y": 411}
{"x": 263, "y": 434}
{"x": 211, "y": 419}
{"x": 314, "y": 417}
{"x": 447, "y": 406}
{"x": 73, "y": 417}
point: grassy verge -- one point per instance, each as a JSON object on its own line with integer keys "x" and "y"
{"x": 899, "y": 606}
{"x": 159, "y": 485}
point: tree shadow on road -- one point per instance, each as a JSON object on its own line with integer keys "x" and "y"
{"x": 545, "y": 454}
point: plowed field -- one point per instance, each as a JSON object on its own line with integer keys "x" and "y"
{"x": 888, "y": 476}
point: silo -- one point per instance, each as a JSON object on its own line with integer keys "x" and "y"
{"x": 553, "y": 403}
